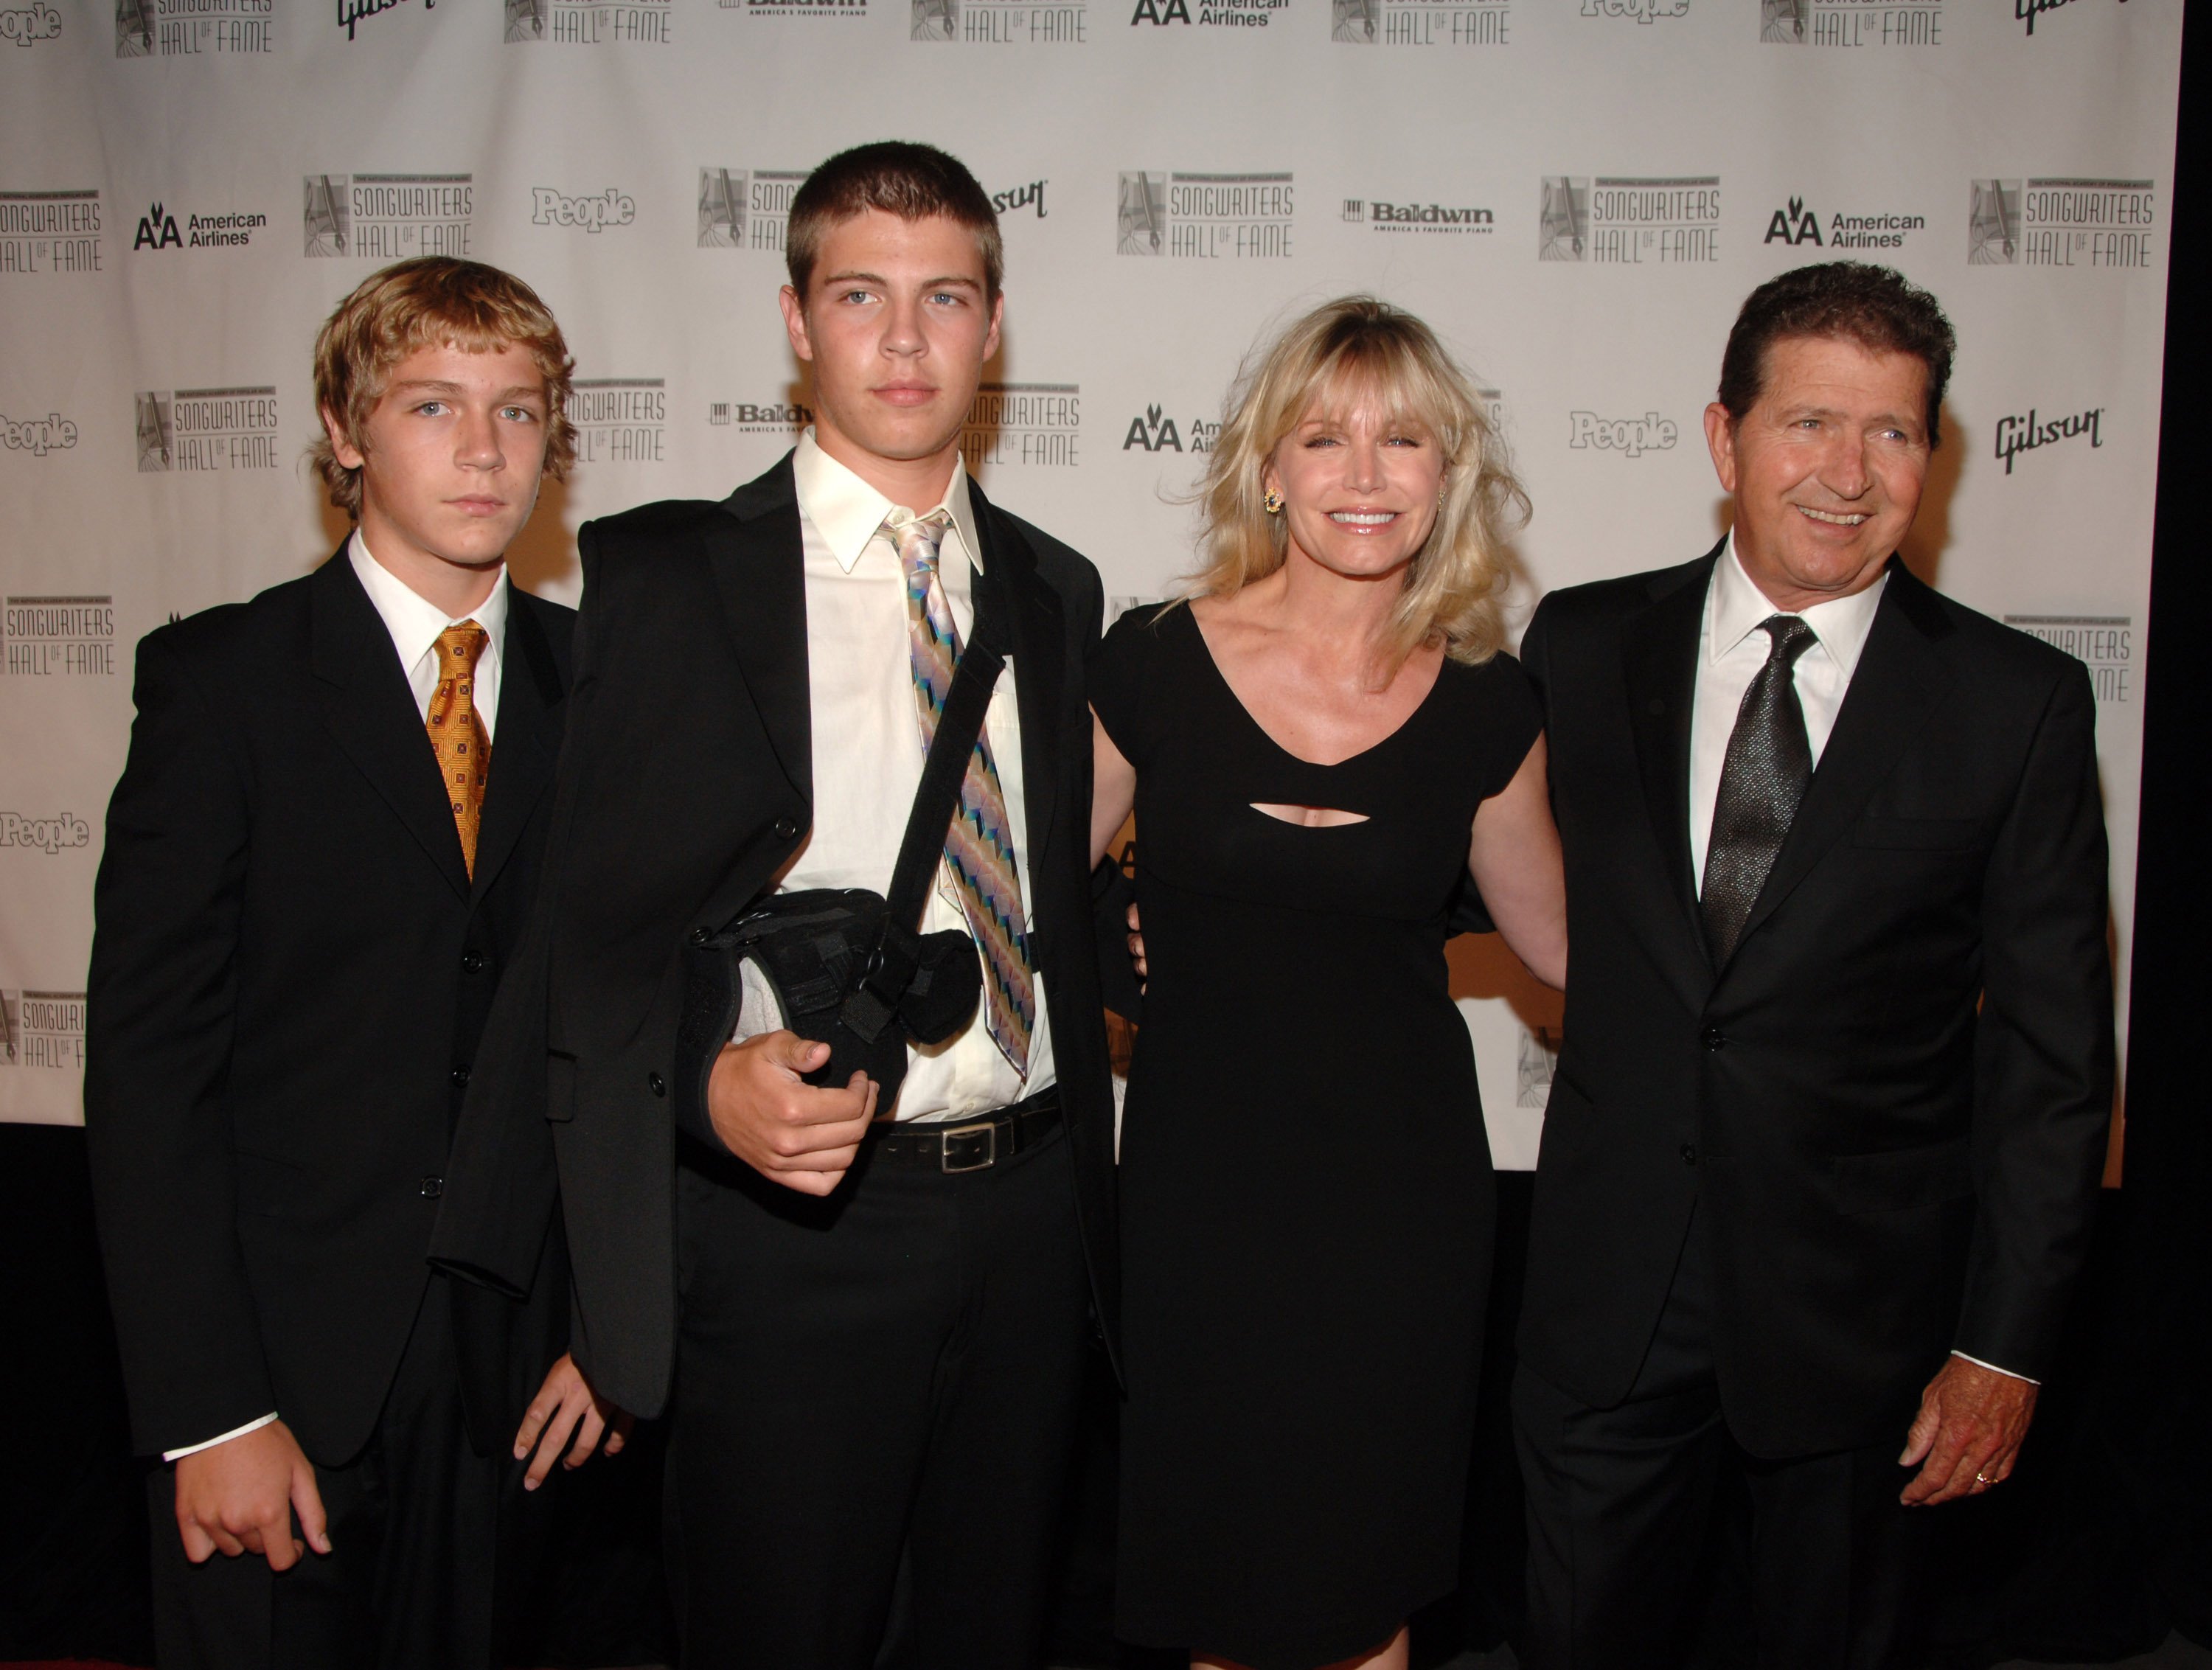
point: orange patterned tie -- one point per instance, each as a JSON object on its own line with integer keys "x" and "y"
{"x": 458, "y": 734}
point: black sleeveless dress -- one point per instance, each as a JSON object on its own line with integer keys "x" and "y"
{"x": 1307, "y": 1201}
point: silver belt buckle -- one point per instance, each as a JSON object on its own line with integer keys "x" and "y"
{"x": 988, "y": 1127}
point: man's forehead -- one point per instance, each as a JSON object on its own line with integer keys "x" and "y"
{"x": 875, "y": 241}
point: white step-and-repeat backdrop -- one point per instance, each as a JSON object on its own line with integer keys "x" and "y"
{"x": 1577, "y": 193}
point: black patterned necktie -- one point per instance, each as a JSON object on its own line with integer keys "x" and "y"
{"x": 1763, "y": 778}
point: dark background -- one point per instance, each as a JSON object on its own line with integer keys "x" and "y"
{"x": 2099, "y": 1546}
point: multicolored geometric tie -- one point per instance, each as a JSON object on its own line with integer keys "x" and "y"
{"x": 457, "y": 733}
{"x": 979, "y": 850}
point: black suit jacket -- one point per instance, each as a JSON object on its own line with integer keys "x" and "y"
{"x": 686, "y": 782}
{"x": 290, "y": 969}
{"x": 1891, "y": 1104}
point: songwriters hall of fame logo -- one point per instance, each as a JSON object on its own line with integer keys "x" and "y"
{"x": 1002, "y": 23}
{"x": 204, "y": 429}
{"x": 1629, "y": 221}
{"x": 586, "y": 22}
{"x": 2105, "y": 644}
{"x": 2097, "y": 223}
{"x": 190, "y": 28}
{"x": 1850, "y": 23}
{"x": 59, "y": 637}
{"x": 1024, "y": 423}
{"x": 50, "y": 232}
{"x": 41, "y": 1029}
{"x": 1203, "y": 217}
{"x": 1420, "y": 22}
{"x": 746, "y": 208}
{"x": 619, "y": 420}
{"x": 387, "y": 217}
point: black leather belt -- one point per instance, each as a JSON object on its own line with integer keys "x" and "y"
{"x": 970, "y": 1144}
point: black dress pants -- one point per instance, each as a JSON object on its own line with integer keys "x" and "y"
{"x": 894, "y": 1368}
{"x": 414, "y": 1519}
{"x": 1621, "y": 1505}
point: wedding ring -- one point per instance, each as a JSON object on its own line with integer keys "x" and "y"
{"x": 1984, "y": 1478}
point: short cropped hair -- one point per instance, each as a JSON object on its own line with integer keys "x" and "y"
{"x": 1342, "y": 354}
{"x": 1877, "y": 308}
{"x": 911, "y": 181}
{"x": 433, "y": 300}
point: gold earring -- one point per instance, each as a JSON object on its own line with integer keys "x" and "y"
{"x": 1273, "y": 503}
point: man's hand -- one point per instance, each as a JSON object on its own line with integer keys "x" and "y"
{"x": 567, "y": 1408}
{"x": 240, "y": 1496}
{"x": 783, "y": 1128}
{"x": 1968, "y": 1432}
{"x": 1137, "y": 949}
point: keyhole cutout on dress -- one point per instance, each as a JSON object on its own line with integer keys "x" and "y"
{"x": 1311, "y": 817}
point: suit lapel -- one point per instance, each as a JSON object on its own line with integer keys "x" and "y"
{"x": 1659, "y": 655}
{"x": 758, "y": 555}
{"x": 1035, "y": 636}
{"x": 370, "y": 712}
{"x": 1899, "y": 677}
{"x": 522, "y": 752}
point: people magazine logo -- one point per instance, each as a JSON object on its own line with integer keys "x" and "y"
{"x": 159, "y": 228}
{"x": 1631, "y": 437}
{"x": 587, "y": 22}
{"x": 1630, "y": 221}
{"x": 2105, "y": 644}
{"x": 1798, "y": 226}
{"x": 1850, "y": 24}
{"x": 50, "y": 233}
{"x": 388, "y": 217}
{"x": 1378, "y": 215}
{"x": 1154, "y": 431}
{"x": 2104, "y": 224}
{"x": 781, "y": 418}
{"x": 1643, "y": 11}
{"x": 1024, "y": 423}
{"x": 1002, "y": 23}
{"x": 592, "y": 213}
{"x": 2017, "y": 435}
{"x": 1445, "y": 23}
{"x": 59, "y": 637}
{"x": 41, "y": 1029}
{"x": 619, "y": 420}
{"x": 204, "y": 431}
{"x": 27, "y": 26}
{"x": 1203, "y": 217}
{"x": 746, "y": 208}
{"x": 37, "y": 435}
{"x": 192, "y": 28}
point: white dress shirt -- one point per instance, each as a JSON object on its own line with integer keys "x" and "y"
{"x": 868, "y": 750}
{"x": 1731, "y": 649}
{"x": 414, "y": 624}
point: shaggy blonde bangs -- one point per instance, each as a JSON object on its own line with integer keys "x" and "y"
{"x": 1348, "y": 354}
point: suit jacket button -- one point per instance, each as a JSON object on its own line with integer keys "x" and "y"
{"x": 1689, "y": 1153}
{"x": 701, "y": 936}
{"x": 461, "y": 1077}
{"x": 785, "y": 828}
{"x": 654, "y": 1083}
{"x": 472, "y": 962}
{"x": 433, "y": 1188}
{"x": 1713, "y": 1038}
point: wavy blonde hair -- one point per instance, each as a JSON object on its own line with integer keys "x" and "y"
{"x": 423, "y": 302}
{"x": 1341, "y": 354}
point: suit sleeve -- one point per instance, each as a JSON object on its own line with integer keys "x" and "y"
{"x": 2043, "y": 1082}
{"x": 162, "y": 1006}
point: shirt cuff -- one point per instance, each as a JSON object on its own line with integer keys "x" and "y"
{"x": 1997, "y": 1367}
{"x": 209, "y": 1443}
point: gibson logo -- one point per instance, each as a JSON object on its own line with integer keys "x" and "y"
{"x": 2026, "y": 11}
{"x": 2016, "y": 435}
{"x": 351, "y": 12}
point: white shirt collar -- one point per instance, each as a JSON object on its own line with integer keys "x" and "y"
{"x": 847, "y": 512}
{"x": 1735, "y": 606}
{"x": 413, "y": 620}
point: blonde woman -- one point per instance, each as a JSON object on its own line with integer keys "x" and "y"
{"x": 1320, "y": 743}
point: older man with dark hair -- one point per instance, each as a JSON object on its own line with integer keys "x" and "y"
{"x": 1825, "y": 1137}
